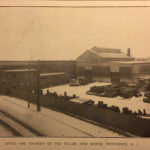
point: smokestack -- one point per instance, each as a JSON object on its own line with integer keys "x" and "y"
{"x": 129, "y": 52}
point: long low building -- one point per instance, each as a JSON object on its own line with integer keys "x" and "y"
{"x": 53, "y": 79}
{"x": 46, "y": 66}
{"x": 18, "y": 78}
{"x": 110, "y": 65}
{"x": 28, "y": 79}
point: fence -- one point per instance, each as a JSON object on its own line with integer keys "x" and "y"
{"x": 125, "y": 122}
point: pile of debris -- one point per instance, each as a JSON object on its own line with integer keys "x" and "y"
{"x": 125, "y": 110}
{"x": 113, "y": 108}
{"x": 55, "y": 95}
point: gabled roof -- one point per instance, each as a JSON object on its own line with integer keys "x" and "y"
{"x": 108, "y": 50}
{"x": 109, "y": 53}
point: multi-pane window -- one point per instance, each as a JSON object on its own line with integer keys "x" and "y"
{"x": 101, "y": 71}
{"x": 145, "y": 69}
{"x": 126, "y": 72}
{"x": 81, "y": 70}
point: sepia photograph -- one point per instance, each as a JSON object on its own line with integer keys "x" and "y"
{"x": 80, "y": 71}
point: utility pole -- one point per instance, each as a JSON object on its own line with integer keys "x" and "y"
{"x": 38, "y": 87}
{"x": 29, "y": 85}
{"x": 29, "y": 81}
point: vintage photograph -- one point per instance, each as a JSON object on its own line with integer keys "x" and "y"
{"x": 74, "y": 72}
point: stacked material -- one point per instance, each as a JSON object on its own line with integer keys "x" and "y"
{"x": 122, "y": 90}
{"x": 111, "y": 91}
{"x": 128, "y": 92}
{"x": 97, "y": 89}
{"x": 114, "y": 108}
{"x": 146, "y": 99}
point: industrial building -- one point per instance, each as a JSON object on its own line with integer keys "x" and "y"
{"x": 17, "y": 74}
{"x": 28, "y": 79}
{"x": 110, "y": 65}
{"x": 46, "y": 66}
{"x": 18, "y": 78}
{"x": 96, "y": 64}
{"x": 53, "y": 79}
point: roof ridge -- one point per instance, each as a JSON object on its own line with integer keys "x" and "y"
{"x": 108, "y": 50}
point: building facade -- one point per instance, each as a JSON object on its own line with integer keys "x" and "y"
{"x": 53, "y": 79}
{"x": 110, "y": 65}
{"x": 19, "y": 79}
{"x": 27, "y": 79}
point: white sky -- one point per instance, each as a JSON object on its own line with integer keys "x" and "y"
{"x": 65, "y": 33}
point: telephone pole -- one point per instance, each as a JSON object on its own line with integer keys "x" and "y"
{"x": 38, "y": 87}
{"x": 29, "y": 80}
{"x": 29, "y": 84}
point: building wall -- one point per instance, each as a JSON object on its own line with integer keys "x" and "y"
{"x": 19, "y": 80}
{"x": 45, "y": 66}
{"x": 106, "y": 71}
{"x": 100, "y": 71}
{"x": 53, "y": 80}
{"x": 28, "y": 80}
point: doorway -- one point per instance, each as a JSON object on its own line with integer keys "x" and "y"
{"x": 89, "y": 75}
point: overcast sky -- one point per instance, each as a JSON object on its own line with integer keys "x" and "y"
{"x": 65, "y": 33}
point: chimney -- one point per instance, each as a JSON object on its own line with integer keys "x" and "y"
{"x": 129, "y": 52}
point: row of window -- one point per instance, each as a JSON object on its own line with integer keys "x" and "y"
{"x": 125, "y": 72}
{"x": 144, "y": 69}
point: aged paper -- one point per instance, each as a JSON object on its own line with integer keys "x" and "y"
{"x": 36, "y": 32}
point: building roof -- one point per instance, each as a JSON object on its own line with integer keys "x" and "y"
{"x": 108, "y": 50}
{"x": 108, "y": 53}
{"x": 133, "y": 62}
{"x": 19, "y": 70}
{"x": 97, "y": 54}
{"x": 52, "y": 74}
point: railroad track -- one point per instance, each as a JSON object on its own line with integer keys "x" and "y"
{"x": 15, "y": 127}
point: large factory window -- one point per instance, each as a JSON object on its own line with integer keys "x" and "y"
{"x": 14, "y": 75}
{"x": 105, "y": 71}
{"x": 144, "y": 69}
{"x": 81, "y": 70}
{"x": 126, "y": 72}
{"x": 101, "y": 71}
{"x": 96, "y": 71}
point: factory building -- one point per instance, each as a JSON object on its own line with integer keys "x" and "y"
{"x": 110, "y": 65}
{"x": 133, "y": 70}
{"x": 96, "y": 64}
